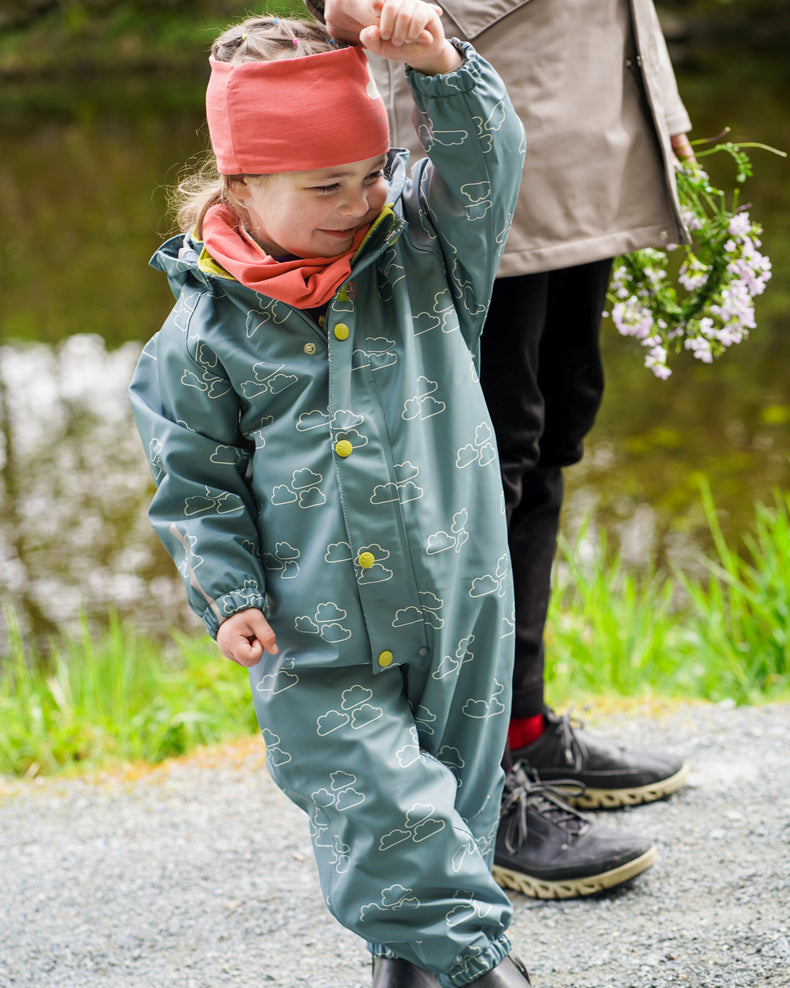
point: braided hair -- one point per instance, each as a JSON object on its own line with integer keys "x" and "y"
{"x": 264, "y": 39}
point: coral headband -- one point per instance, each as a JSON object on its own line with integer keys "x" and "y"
{"x": 295, "y": 114}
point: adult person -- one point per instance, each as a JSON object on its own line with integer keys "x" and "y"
{"x": 593, "y": 84}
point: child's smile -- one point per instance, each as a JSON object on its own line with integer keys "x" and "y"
{"x": 314, "y": 213}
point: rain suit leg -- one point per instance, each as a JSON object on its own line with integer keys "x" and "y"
{"x": 399, "y": 774}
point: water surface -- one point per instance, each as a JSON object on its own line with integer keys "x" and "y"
{"x": 82, "y": 194}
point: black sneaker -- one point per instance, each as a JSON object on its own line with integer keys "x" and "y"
{"x": 548, "y": 850}
{"x": 611, "y": 775}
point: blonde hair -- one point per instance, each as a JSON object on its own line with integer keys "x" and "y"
{"x": 257, "y": 39}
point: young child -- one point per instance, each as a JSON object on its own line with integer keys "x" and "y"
{"x": 327, "y": 478}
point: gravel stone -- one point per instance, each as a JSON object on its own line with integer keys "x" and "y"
{"x": 199, "y": 874}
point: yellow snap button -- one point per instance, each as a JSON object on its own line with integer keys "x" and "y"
{"x": 386, "y": 658}
{"x": 309, "y": 348}
{"x": 341, "y": 331}
{"x": 344, "y": 448}
{"x": 366, "y": 559}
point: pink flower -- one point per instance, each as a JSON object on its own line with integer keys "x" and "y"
{"x": 706, "y": 304}
{"x": 740, "y": 224}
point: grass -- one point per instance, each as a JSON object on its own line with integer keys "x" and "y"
{"x": 119, "y": 696}
{"x": 722, "y": 636}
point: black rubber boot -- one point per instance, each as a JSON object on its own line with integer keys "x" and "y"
{"x": 397, "y": 973}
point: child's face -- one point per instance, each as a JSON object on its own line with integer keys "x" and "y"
{"x": 314, "y": 213}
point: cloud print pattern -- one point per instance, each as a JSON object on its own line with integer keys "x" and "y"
{"x": 342, "y": 477}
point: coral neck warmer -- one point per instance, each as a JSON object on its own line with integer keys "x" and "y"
{"x": 303, "y": 282}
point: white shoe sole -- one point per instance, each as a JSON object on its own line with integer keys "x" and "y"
{"x": 576, "y": 887}
{"x": 612, "y": 799}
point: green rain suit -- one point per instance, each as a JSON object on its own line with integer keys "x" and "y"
{"x": 343, "y": 477}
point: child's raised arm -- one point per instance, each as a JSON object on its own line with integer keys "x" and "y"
{"x": 407, "y": 31}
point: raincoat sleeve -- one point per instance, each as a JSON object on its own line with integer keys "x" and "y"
{"x": 203, "y": 510}
{"x": 465, "y": 191}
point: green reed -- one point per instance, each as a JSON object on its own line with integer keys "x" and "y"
{"x": 118, "y": 695}
{"x": 115, "y": 696}
{"x": 724, "y": 635}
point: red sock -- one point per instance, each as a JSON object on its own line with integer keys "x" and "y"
{"x": 523, "y": 731}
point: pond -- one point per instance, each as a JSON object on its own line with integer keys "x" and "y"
{"x": 82, "y": 195}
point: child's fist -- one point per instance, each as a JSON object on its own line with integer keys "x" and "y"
{"x": 245, "y": 636}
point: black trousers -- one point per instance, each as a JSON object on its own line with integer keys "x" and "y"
{"x": 542, "y": 377}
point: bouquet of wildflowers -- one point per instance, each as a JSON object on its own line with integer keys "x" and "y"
{"x": 709, "y": 306}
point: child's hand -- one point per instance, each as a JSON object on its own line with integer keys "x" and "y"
{"x": 245, "y": 636}
{"x": 410, "y": 31}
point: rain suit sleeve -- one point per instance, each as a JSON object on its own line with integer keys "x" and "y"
{"x": 464, "y": 193}
{"x": 203, "y": 510}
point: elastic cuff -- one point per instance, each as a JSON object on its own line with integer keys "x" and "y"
{"x": 379, "y": 950}
{"x": 231, "y": 603}
{"x": 476, "y": 961}
{"x": 462, "y": 79}
{"x": 472, "y": 964}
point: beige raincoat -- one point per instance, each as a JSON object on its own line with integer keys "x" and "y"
{"x": 598, "y": 180}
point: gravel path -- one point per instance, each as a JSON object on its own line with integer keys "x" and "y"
{"x": 199, "y": 874}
